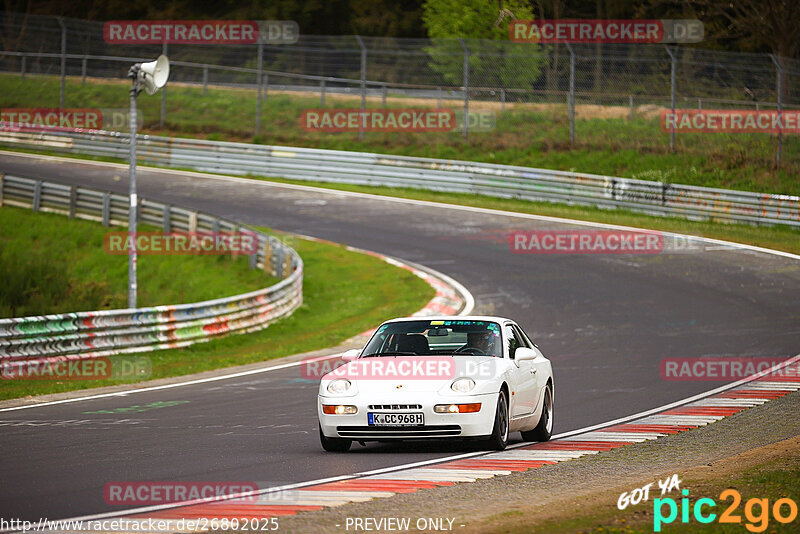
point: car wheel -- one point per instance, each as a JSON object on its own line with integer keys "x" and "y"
{"x": 544, "y": 429}
{"x": 334, "y": 444}
{"x": 499, "y": 438}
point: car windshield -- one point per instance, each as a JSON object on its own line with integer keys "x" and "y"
{"x": 436, "y": 337}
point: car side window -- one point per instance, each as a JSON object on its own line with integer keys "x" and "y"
{"x": 512, "y": 342}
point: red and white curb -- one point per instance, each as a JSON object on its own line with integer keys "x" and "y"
{"x": 722, "y": 402}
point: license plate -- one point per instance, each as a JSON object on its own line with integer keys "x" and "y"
{"x": 395, "y": 419}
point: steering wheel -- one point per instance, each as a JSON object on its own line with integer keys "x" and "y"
{"x": 475, "y": 350}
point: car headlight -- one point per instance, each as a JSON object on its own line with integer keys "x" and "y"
{"x": 462, "y": 385}
{"x": 339, "y": 386}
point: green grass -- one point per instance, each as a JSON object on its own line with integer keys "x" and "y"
{"x": 345, "y": 293}
{"x": 529, "y": 136}
{"x": 50, "y": 265}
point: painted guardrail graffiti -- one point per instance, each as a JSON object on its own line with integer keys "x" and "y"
{"x": 103, "y": 333}
{"x": 657, "y": 198}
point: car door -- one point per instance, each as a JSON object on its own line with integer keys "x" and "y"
{"x": 540, "y": 366}
{"x": 524, "y": 398}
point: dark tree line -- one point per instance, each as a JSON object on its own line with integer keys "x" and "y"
{"x": 736, "y": 25}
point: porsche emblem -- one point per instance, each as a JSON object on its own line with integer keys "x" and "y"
{"x": 399, "y": 386}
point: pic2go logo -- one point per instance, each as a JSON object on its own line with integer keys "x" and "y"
{"x": 756, "y": 511}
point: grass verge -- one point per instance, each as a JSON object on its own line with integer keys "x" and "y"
{"x": 535, "y": 135}
{"x": 49, "y": 265}
{"x": 345, "y": 293}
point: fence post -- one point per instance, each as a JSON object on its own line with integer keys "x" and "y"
{"x": 63, "y": 61}
{"x": 322, "y": 93}
{"x": 502, "y": 100}
{"x": 162, "y": 119}
{"x": 439, "y": 97}
{"x": 363, "y": 85}
{"x": 630, "y": 102}
{"x": 205, "y": 79}
{"x": 259, "y": 74}
{"x": 672, "y": 98}
{"x": 466, "y": 88}
{"x": 383, "y": 95}
{"x": 266, "y": 86}
{"x": 571, "y": 97}
{"x": 780, "y": 108}
{"x": 22, "y": 67}
{"x": 83, "y": 71}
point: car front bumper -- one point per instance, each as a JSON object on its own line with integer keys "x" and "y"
{"x": 436, "y": 425}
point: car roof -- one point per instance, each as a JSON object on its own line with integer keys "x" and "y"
{"x": 492, "y": 318}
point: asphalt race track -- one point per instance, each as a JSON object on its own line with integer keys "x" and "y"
{"x": 605, "y": 321}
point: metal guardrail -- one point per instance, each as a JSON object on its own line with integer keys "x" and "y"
{"x": 104, "y": 333}
{"x": 505, "y": 181}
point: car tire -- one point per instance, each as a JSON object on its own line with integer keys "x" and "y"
{"x": 334, "y": 444}
{"x": 499, "y": 438}
{"x": 544, "y": 429}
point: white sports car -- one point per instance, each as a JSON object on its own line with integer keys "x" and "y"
{"x": 439, "y": 377}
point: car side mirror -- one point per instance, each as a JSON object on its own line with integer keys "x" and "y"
{"x": 350, "y": 355}
{"x": 524, "y": 353}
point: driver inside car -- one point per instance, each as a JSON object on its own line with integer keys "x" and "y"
{"x": 484, "y": 342}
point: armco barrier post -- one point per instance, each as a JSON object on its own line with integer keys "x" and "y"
{"x": 37, "y": 195}
{"x": 73, "y": 201}
{"x": 166, "y": 213}
{"x": 106, "y": 209}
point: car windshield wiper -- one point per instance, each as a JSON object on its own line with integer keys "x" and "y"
{"x": 390, "y": 353}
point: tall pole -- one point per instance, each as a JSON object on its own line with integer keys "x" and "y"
{"x": 465, "y": 129}
{"x": 63, "y": 61}
{"x": 363, "y": 87}
{"x": 132, "y": 285}
{"x": 672, "y": 98}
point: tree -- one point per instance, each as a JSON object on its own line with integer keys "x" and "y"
{"x": 483, "y": 24}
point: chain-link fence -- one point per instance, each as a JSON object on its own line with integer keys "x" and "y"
{"x": 625, "y": 80}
